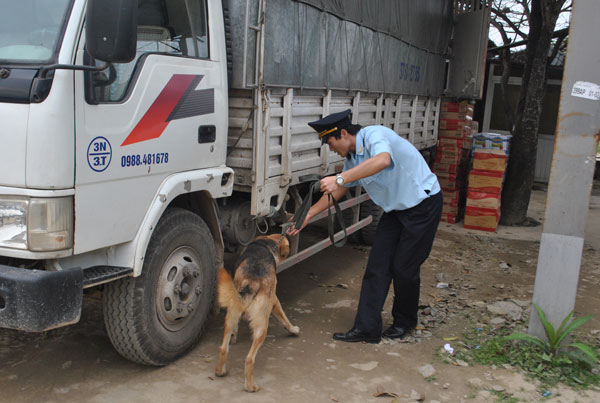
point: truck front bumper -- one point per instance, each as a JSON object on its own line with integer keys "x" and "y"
{"x": 37, "y": 300}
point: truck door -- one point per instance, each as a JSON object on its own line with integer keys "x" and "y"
{"x": 139, "y": 122}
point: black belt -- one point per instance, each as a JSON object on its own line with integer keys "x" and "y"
{"x": 302, "y": 211}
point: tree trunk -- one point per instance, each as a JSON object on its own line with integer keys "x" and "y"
{"x": 523, "y": 148}
{"x": 509, "y": 110}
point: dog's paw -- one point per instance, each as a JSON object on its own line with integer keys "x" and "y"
{"x": 221, "y": 371}
{"x": 251, "y": 388}
{"x": 294, "y": 330}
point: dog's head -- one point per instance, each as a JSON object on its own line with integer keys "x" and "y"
{"x": 284, "y": 244}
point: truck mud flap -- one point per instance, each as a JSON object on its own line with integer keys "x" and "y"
{"x": 37, "y": 300}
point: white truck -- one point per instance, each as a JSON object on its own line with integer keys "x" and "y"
{"x": 140, "y": 139}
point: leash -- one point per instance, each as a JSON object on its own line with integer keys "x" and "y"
{"x": 302, "y": 211}
{"x": 284, "y": 230}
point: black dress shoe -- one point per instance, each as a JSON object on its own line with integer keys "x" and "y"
{"x": 397, "y": 332}
{"x": 355, "y": 335}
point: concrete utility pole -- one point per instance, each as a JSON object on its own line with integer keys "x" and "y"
{"x": 571, "y": 175}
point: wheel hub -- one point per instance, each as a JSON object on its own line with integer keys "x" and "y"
{"x": 179, "y": 288}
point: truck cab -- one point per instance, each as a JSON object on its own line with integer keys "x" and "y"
{"x": 91, "y": 158}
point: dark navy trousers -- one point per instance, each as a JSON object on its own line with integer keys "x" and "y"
{"x": 402, "y": 242}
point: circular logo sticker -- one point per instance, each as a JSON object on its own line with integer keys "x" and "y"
{"x": 99, "y": 154}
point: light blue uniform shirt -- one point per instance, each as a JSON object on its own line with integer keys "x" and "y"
{"x": 400, "y": 186}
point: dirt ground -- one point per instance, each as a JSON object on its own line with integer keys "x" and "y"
{"x": 78, "y": 363}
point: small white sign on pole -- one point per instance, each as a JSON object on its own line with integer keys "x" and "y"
{"x": 587, "y": 90}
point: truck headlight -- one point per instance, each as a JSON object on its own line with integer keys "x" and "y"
{"x": 37, "y": 224}
{"x": 13, "y": 222}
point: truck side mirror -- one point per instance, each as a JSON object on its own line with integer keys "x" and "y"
{"x": 111, "y": 30}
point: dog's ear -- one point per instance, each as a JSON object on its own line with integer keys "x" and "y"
{"x": 284, "y": 248}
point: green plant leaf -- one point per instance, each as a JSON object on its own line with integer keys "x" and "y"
{"x": 531, "y": 339}
{"x": 579, "y": 381}
{"x": 576, "y": 356}
{"x": 586, "y": 350}
{"x": 572, "y": 326}
{"x": 567, "y": 360}
{"x": 550, "y": 333}
{"x": 564, "y": 323}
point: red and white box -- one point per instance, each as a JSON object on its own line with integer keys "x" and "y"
{"x": 486, "y": 181}
{"x": 482, "y": 219}
{"x": 463, "y": 106}
{"x": 489, "y": 160}
{"x": 483, "y": 200}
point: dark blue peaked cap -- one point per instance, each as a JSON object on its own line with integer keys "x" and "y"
{"x": 331, "y": 124}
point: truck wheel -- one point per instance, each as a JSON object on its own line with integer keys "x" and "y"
{"x": 158, "y": 316}
{"x": 366, "y": 209}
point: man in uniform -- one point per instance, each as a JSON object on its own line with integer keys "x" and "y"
{"x": 397, "y": 178}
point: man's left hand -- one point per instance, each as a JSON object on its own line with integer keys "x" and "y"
{"x": 328, "y": 184}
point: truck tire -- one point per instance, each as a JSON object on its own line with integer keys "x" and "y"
{"x": 158, "y": 316}
{"x": 366, "y": 209}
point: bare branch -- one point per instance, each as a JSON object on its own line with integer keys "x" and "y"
{"x": 502, "y": 31}
{"x": 557, "y": 47}
{"x": 526, "y": 9}
{"x": 509, "y": 22}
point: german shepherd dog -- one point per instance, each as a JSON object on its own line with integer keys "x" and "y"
{"x": 251, "y": 293}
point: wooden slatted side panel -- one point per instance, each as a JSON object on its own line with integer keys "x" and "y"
{"x": 368, "y": 111}
{"x": 403, "y": 115}
{"x": 303, "y": 145}
{"x": 289, "y": 146}
{"x": 240, "y": 141}
{"x": 278, "y": 109}
{"x": 424, "y": 122}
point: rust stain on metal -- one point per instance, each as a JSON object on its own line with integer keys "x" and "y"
{"x": 558, "y": 123}
{"x": 572, "y": 114}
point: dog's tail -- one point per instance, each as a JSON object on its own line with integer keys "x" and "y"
{"x": 228, "y": 296}
{"x": 247, "y": 288}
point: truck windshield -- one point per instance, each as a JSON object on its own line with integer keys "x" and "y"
{"x": 30, "y": 30}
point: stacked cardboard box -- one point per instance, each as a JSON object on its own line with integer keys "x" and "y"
{"x": 456, "y": 119}
{"x": 452, "y": 157}
{"x": 485, "y": 188}
{"x": 450, "y": 167}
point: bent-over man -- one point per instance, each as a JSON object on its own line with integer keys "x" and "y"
{"x": 397, "y": 178}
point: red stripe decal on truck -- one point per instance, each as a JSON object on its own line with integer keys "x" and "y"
{"x": 156, "y": 119}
